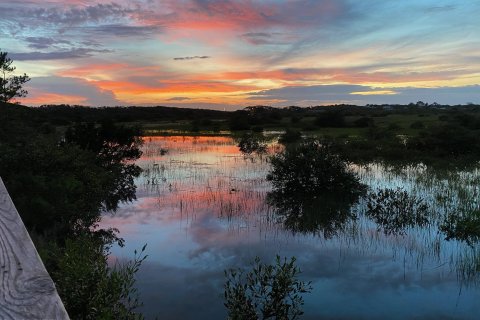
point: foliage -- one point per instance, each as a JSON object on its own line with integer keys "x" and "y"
{"x": 363, "y": 122}
{"x": 462, "y": 226}
{"x": 10, "y": 85}
{"x": 290, "y": 136}
{"x": 60, "y": 187}
{"x": 239, "y": 120}
{"x": 330, "y": 119}
{"x": 57, "y": 189}
{"x": 417, "y": 125}
{"x": 115, "y": 148}
{"x": 394, "y": 210}
{"x": 447, "y": 141}
{"x": 265, "y": 292}
{"x": 250, "y": 143}
{"x": 312, "y": 169}
{"x": 89, "y": 288}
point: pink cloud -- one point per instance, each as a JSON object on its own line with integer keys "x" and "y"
{"x": 240, "y": 15}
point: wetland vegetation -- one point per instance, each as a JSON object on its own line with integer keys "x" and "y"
{"x": 378, "y": 199}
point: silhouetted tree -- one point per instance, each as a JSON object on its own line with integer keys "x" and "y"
{"x": 10, "y": 85}
{"x": 312, "y": 169}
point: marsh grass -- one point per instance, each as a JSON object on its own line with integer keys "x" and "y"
{"x": 209, "y": 176}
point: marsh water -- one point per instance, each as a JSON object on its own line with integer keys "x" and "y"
{"x": 202, "y": 208}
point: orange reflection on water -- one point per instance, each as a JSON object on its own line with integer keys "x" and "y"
{"x": 197, "y": 178}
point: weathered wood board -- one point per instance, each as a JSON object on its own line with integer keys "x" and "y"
{"x": 26, "y": 289}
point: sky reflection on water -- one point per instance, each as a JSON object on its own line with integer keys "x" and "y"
{"x": 202, "y": 208}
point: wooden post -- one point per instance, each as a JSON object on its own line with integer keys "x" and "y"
{"x": 26, "y": 289}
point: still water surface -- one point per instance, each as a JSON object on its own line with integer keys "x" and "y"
{"x": 202, "y": 208}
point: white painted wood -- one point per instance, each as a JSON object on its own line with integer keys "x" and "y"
{"x": 26, "y": 289}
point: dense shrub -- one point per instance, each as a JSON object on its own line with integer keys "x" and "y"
{"x": 250, "y": 143}
{"x": 417, "y": 125}
{"x": 290, "y": 136}
{"x": 363, "y": 122}
{"x": 89, "y": 288}
{"x": 446, "y": 141}
{"x": 60, "y": 186}
{"x": 311, "y": 168}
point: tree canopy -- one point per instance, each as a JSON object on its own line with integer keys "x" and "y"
{"x": 11, "y": 86}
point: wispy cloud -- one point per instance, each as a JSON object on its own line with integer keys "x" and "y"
{"x": 264, "y": 51}
{"x": 57, "y": 55}
{"x": 44, "y": 42}
{"x": 122, "y": 30}
{"x": 268, "y": 38}
{"x": 357, "y": 94}
{"x": 76, "y": 15}
{"x": 179, "y": 99}
{"x": 191, "y": 58}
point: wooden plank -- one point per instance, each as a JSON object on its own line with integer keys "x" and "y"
{"x": 26, "y": 289}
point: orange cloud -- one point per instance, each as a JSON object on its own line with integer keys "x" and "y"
{"x": 210, "y": 15}
{"x": 53, "y": 98}
{"x": 91, "y": 69}
{"x": 173, "y": 87}
{"x": 294, "y": 77}
{"x": 110, "y": 71}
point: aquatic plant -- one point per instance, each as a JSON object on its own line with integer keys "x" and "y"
{"x": 250, "y": 143}
{"x": 463, "y": 226}
{"x": 268, "y": 291}
{"x": 394, "y": 210}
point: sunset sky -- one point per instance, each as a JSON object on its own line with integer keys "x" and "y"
{"x": 235, "y": 53}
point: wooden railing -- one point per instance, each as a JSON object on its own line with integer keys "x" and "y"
{"x": 26, "y": 289}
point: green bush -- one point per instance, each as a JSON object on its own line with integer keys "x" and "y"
{"x": 60, "y": 186}
{"x": 363, "y": 122}
{"x": 417, "y": 125}
{"x": 265, "y": 292}
{"x": 311, "y": 168}
{"x": 89, "y": 288}
{"x": 290, "y": 136}
{"x": 250, "y": 143}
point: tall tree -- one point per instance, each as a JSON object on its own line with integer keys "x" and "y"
{"x": 11, "y": 86}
